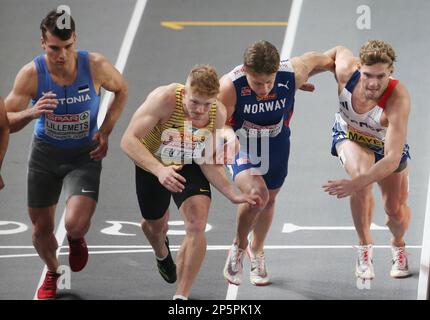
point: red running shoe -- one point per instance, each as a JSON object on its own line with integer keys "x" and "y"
{"x": 48, "y": 290}
{"x": 78, "y": 254}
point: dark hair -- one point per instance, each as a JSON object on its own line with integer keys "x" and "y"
{"x": 49, "y": 23}
{"x": 261, "y": 57}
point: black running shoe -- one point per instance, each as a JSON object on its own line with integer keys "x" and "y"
{"x": 167, "y": 267}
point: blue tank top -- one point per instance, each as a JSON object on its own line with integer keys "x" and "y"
{"x": 74, "y": 121}
{"x": 273, "y": 111}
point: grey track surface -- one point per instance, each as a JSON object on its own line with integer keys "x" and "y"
{"x": 160, "y": 56}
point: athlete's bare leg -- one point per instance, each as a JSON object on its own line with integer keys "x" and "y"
{"x": 155, "y": 231}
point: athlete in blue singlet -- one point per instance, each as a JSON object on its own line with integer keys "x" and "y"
{"x": 67, "y": 148}
{"x": 74, "y": 121}
{"x": 369, "y": 137}
{"x": 259, "y": 97}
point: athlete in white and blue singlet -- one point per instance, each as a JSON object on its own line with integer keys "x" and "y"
{"x": 369, "y": 136}
{"x": 259, "y": 97}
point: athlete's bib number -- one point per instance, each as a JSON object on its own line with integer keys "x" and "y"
{"x": 254, "y": 130}
{"x": 67, "y": 126}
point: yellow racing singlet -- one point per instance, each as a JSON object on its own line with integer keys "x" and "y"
{"x": 176, "y": 141}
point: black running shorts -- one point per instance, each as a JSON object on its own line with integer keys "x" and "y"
{"x": 154, "y": 199}
{"x": 51, "y": 168}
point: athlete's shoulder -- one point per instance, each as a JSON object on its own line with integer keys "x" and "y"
{"x": 165, "y": 94}
{"x": 237, "y": 72}
{"x": 97, "y": 60}
{"x": 26, "y": 79}
{"x": 399, "y": 94}
{"x": 286, "y": 66}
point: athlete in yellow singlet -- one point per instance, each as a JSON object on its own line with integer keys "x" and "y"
{"x": 171, "y": 140}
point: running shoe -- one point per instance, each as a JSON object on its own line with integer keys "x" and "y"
{"x": 400, "y": 268}
{"x": 364, "y": 265}
{"x": 48, "y": 290}
{"x": 78, "y": 254}
{"x": 258, "y": 275}
{"x": 167, "y": 267}
{"x": 234, "y": 265}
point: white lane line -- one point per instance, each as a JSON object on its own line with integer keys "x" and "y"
{"x": 287, "y": 48}
{"x": 143, "y": 249}
{"x": 123, "y": 54}
{"x": 120, "y": 64}
{"x": 424, "y": 278}
{"x": 290, "y": 34}
{"x": 291, "y": 227}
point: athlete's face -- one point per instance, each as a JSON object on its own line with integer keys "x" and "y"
{"x": 197, "y": 106}
{"x": 59, "y": 52}
{"x": 261, "y": 83}
{"x": 374, "y": 79}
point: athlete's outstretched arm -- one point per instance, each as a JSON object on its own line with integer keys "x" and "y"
{"x": 110, "y": 79}
{"x": 307, "y": 63}
{"x": 345, "y": 63}
{"x": 4, "y": 137}
{"x": 216, "y": 175}
{"x": 25, "y": 88}
{"x": 397, "y": 111}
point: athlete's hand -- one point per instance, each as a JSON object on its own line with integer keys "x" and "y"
{"x": 307, "y": 87}
{"x": 1, "y": 182}
{"x": 340, "y": 188}
{"x": 46, "y": 104}
{"x": 170, "y": 179}
{"x": 251, "y": 199}
{"x": 103, "y": 143}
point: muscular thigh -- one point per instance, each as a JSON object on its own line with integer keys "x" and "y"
{"x": 395, "y": 188}
{"x": 355, "y": 158}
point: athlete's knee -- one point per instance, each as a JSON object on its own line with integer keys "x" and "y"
{"x": 395, "y": 209}
{"x": 364, "y": 194}
{"x": 195, "y": 226}
{"x": 263, "y": 193}
{"x": 42, "y": 230}
{"x": 155, "y": 226}
{"x": 77, "y": 227}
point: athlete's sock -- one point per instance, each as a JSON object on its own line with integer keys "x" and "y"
{"x": 179, "y": 297}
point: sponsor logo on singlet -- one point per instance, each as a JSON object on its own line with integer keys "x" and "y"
{"x": 355, "y": 135}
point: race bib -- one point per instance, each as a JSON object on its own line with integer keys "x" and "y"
{"x": 67, "y": 126}
{"x": 363, "y": 138}
{"x": 254, "y": 130}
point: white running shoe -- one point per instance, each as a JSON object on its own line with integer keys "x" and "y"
{"x": 400, "y": 267}
{"x": 234, "y": 265}
{"x": 364, "y": 264}
{"x": 258, "y": 275}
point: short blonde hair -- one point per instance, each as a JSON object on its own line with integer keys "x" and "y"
{"x": 203, "y": 79}
{"x": 377, "y": 51}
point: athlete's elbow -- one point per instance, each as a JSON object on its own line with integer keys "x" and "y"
{"x": 125, "y": 143}
{"x": 393, "y": 163}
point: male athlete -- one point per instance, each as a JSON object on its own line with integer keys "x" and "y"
{"x": 369, "y": 137}
{"x": 259, "y": 97}
{"x": 64, "y": 85}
